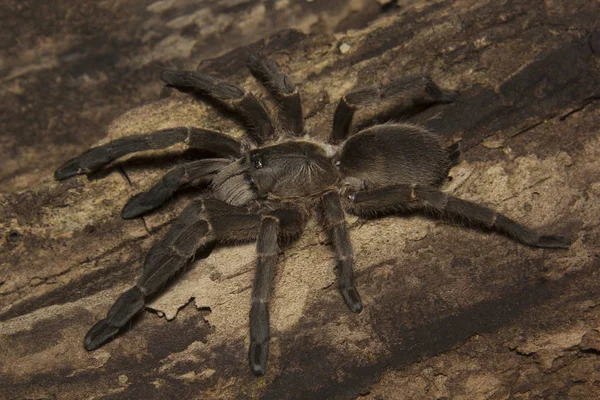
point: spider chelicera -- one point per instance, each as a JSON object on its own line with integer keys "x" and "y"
{"x": 266, "y": 186}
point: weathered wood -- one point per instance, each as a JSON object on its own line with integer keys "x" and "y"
{"x": 69, "y": 68}
{"x": 449, "y": 312}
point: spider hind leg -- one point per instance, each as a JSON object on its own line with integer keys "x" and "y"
{"x": 417, "y": 87}
{"x": 420, "y": 197}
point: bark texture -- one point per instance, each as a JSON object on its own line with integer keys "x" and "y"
{"x": 449, "y": 312}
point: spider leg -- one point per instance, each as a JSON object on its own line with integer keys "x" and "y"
{"x": 283, "y": 224}
{"x": 411, "y": 197}
{"x": 201, "y": 223}
{"x": 454, "y": 152}
{"x": 414, "y": 87}
{"x": 173, "y": 180}
{"x": 333, "y": 220}
{"x": 282, "y": 88}
{"x": 267, "y": 250}
{"x": 248, "y": 106}
{"x": 196, "y": 138}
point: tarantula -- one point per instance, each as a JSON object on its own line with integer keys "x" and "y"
{"x": 265, "y": 187}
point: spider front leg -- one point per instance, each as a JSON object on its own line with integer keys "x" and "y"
{"x": 411, "y": 197}
{"x": 195, "y": 138}
{"x": 248, "y": 106}
{"x": 282, "y": 88}
{"x": 201, "y": 223}
{"x": 176, "y": 178}
{"x": 334, "y": 222}
{"x": 414, "y": 87}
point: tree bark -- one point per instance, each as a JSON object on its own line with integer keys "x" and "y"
{"x": 450, "y": 312}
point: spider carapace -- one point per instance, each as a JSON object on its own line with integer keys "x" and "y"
{"x": 266, "y": 186}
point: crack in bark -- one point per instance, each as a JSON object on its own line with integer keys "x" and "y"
{"x": 582, "y": 107}
{"x": 585, "y": 103}
{"x": 527, "y": 129}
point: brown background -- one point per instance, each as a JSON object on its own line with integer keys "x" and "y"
{"x": 450, "y": 312}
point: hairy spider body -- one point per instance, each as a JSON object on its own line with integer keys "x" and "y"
{"x": 266, "y": 187}
{"x": 288, "y": 170}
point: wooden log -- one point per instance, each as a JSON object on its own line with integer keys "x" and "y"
{"x": 450, "y": 312}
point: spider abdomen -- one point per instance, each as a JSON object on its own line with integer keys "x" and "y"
{"x": 394, "y": 154}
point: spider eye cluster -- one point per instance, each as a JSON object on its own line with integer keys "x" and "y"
{"x": 257, "y": 162}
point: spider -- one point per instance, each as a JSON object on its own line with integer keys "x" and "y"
{"x": 267, "y": 185}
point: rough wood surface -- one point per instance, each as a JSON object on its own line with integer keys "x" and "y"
{"x": 449, "y": 312}
{"x": 68, "y": 68}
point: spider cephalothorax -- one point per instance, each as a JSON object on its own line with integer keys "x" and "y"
{"x": 266, "y": 187}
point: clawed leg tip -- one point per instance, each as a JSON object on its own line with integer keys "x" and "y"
{"x": 167, "y": 76}
{"x": 60, "y": 175}
{"x": 352, "y": 299}
{"x": 67, "y": 170}
{"x": 129, "y": 214}
{"x": 171, "y": 78}
{"x": 136, "y": 207}
{"x": 89, "y": 344}
{"x": 257, "y": 357}
{"x": 98, "y": 335}
{"x": 356, "y": 307}
{"x": 131, "y": 211}
{"x": 257, "y": 370}
{"x": 554, "y": 242}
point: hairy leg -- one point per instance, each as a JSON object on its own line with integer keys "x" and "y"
{"x": 282, "y": 88}
{"x": 454, "y": 152}
{"x": 202, "y": 222}
{"x": 284, "y": 224}
{"x": 416, "y": 197}
{"x": 178, "y": 177}
{"x": 414, "y": 87}
{"x": 266, "y": 247}
{"x": 249, "y": 107}
{"x": 195, "y": 138}
{"x": 333, "y": 221}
